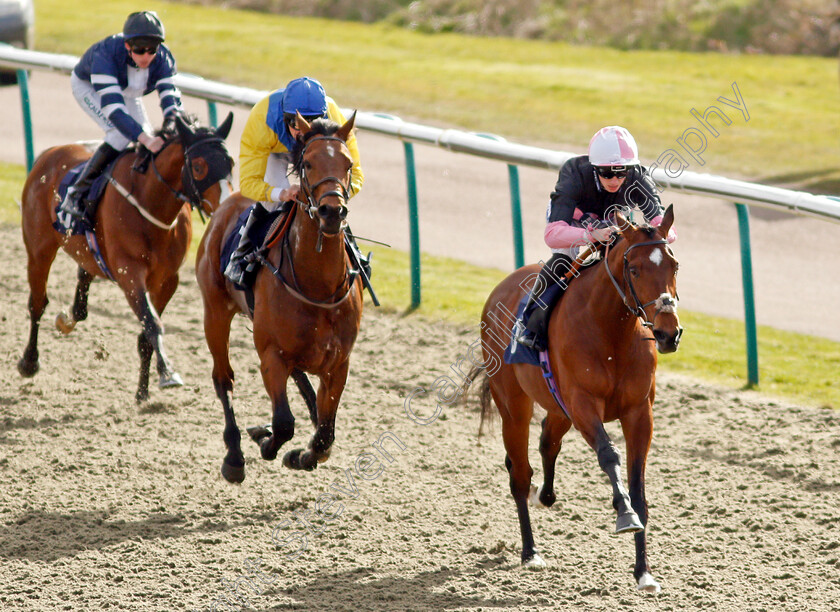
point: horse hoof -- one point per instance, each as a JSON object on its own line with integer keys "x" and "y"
{"x": 648, "y": 585}
{"x": 534, "y": 563}
{"x": 64, "y": 322}
{"x": 628, "y": 523}
{"x": 292, "y": 461}
{"x": 28, "y": 369}
{"x": 167, "y": 382}
{"x": 233, "y": 473}
{"x": 534, "y": 497}
{"x": 141, "y": 396}
{"x": 258, "y": 432}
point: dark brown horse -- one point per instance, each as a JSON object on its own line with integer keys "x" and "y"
{"x": 143, "y": 228}
{"x": 603, "y": 338}
{"x": 307, "y": 303}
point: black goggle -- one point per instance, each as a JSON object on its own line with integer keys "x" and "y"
{"x": 150, "y": 50}
{"x": 609, "y": 172}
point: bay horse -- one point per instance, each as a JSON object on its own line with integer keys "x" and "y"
{"x": 603, "y": 338}
{"x": 143, "y": 228}
{"x": 307, "y": 305}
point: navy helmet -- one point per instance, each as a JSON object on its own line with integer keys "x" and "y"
{"x": 305, "y": 96}
{"x": 144, "y": 24}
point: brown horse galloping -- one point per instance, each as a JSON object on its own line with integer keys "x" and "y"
{"x": 307, "y": 303}
{"x": 603, "y": 338}
{"x": 143, "y": 229}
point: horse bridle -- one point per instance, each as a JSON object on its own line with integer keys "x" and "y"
{"x": 311, "y": 205}
{"x": 194, "y": 189}
{"x": 639, "y": 310}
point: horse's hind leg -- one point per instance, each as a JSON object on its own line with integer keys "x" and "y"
{"x": 64, "y": 322}
{"x": 554, "y": 427}
{"x": 638, "y": 435}
{"x": 38, "y": 270}
{"x": 516, "y": 417}
{"x": 329, "y": 395}
{"x": 308, "y": 394}
{"x": 219, "y": 311}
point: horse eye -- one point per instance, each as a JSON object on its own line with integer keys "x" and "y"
{"x": 634, "y": 271}
{"x": 307, "y": 165}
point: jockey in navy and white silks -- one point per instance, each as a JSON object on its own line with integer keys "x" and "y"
{"x": 109, "y": 82}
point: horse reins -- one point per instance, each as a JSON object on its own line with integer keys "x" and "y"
{"x": 639, "y": 310}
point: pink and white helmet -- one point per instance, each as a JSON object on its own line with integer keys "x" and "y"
{"x": 613, "y": 146}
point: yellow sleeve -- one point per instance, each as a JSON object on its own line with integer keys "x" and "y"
{"x": 258, "y": 141}
{"x": 358, "y": 176}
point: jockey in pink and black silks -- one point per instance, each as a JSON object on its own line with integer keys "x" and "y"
{"x": 588, "y": 190}
{"x": 109, "y": 82}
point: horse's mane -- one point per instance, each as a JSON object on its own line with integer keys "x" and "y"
{"x": 319, "y": 127}
{"x": 168, "y": 131}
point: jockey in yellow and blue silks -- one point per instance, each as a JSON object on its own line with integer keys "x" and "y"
{"x": 267, "y": 139}
{"x": 265, "y": 156}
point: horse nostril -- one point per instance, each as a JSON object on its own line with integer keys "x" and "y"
{"x": 342, "y": 213}
{"x": 323, "y": 211}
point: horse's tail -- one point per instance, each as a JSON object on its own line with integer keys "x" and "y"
{"x": 484, "y": 396}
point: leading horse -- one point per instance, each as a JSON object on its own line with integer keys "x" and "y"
{"x": 307, "y": 302}
{"x": 143, "y": 228}
{"x": 603, "y": 338}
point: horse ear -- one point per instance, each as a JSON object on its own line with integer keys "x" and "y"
{"x": 344, "y": 130}
{"x": 301, "y": 123}
{"x": 223, "y": 130}
{"x": 667, "y": 220}
{"x": 184, "y": 130}
{"x": 624, "y": 226}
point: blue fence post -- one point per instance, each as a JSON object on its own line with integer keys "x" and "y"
{"x": 749, "y": 294}
{"x": 28, "y": 138}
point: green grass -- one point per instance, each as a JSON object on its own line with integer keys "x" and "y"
{"x": 530, "y": 92}
{"x": 527, "y": 91}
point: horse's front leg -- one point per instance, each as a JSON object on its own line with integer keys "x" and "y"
{"x": 554, "y": 427}
{"x": 609, "y": 459}
{"x": 151, "y": 340}
{"x": 329, "y": 395}
{"x": 638, "y": 432}
{"x": 275, "y": 376}
{"x": 66, "y": 322}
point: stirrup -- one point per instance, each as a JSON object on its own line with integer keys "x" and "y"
{"x": 527, "y": 340}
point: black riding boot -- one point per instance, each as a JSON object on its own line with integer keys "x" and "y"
{"x": 238, "y": 267}
{"x": 86, "y": 209}
{"x": 534, "y": 323}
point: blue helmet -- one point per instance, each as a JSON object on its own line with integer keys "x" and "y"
{"x": 144, "y": 24}
{"x": 306, "y": 96}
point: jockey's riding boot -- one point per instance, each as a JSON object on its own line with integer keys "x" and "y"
{"x": 86, "y": 209}
{"x": 533, "y": 327}
{"x": 239, "y": 266}
{"x": 364, "y": 262}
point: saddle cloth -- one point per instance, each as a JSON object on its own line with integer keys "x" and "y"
{"x": 66, "y": 224}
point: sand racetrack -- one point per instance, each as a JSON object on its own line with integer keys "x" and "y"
{"x": 106, "y": 505}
